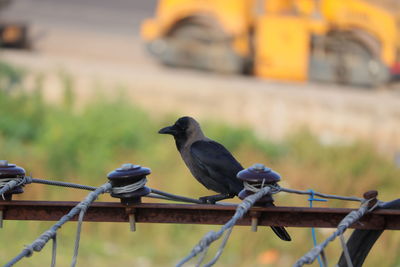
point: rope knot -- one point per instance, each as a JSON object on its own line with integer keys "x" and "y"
{"x": 12, "y": 182}
{"x": 253, "y": 187}
{"x": 275, "y": 188}
{"x": 8, "y": 184}
{"x": 27, "y": 180}
{"x": 40, "y": 242}
{"x": 204, "y": 243}
{"x": 29, "y": 250}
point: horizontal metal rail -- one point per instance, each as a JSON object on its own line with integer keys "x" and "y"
{"x": 197, "y": 214}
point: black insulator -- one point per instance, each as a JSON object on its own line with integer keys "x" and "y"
{"x": 126, "y": 175}
{"x": 258, "y": 175}
{"x": 11, "y": 171}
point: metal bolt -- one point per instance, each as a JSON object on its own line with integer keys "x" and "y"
{"x": 128, "y": 166}
{"x": 132, "y": 219}
{"x": 132, "y": 222}
{"x": 3, "y": 163}
{"x": 254, "y": 223}
{"x": 258, "y": 167}
{"x": 254, "y": 220}
{"x": 372, "y": 194}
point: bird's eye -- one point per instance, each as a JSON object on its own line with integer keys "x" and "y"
{"x": 178, "y": 126}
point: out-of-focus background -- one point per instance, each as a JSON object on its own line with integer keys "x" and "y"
{"x": 308, "y": 87}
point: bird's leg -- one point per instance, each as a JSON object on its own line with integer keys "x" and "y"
{"x": 214, "y": 198}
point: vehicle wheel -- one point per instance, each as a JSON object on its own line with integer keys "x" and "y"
{"x": 348, "y": 61}
{"x": 199, "y": 46}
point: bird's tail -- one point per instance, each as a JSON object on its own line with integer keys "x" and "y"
{"x": 281, "y": 233}
{"x": 279, "y": 230}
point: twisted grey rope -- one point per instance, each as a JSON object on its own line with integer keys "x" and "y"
{"x": 220, "y": 249}
{"x": 130, "y": 187}
{"x": 301, "y": 192}
{"x": 27, "y": 180}
{"x": 5, "y": 181}
{"x": 346, "y": 251}
{"x": 212, "y": 236}
{"x": 78, "y": 237}
{"x": 255, "y": 187}
{"x": 7, "y": 184}
{"x": 154, "y": 192}
{"x": 41, "y": 241}
{"x": 63, "y": 184}
{"x": 276, "y": 189}
{"x": 350, "y": 218}
{"x": 54, "y": 251}
{"x": 169, "y": 196}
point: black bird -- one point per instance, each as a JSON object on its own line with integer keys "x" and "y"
{"x": 209, "y": 162}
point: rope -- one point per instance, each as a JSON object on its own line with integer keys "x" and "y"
{"x": 54, "y": 251}
{"x": 5, "y": 181}
{"x": 78, "y": 237}
{"x": 7, "y": 184}
{"x": 220, "y": 249}
{"x": 157, "y": 193}
{"x": 287, "y": 190}
{"x": 201, "y": 257}
{"x": 350, "y": 218}
{"x": 173, "y": 197}
{"x": 41, "y": 241}
{"x": 276, "y": 189}
{"x": 346, "y": 251}
{"x": 253, "y": 187}
{"x": 162, "y": 195}
{"x": 212, "y": 236}
{"x": 63, "y": 184}
{"x": 130, "y": 187}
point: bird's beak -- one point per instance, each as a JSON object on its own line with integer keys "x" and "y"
{"x": 168, "y": 130}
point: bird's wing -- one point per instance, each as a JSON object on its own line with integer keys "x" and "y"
{"x": 215, "y": 160}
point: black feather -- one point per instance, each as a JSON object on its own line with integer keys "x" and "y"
{"x": 215, "y": 167}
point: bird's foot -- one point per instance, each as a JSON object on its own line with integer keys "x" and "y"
{"x": 214, "y": 198}
{"x": 207, "y": 200}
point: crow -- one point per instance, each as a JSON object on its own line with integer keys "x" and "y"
{"x": 209, "y": 162}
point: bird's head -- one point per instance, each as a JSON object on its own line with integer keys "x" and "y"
{"x": 185, "y": 128}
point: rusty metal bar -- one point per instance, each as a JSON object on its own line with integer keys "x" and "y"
{"x": 197, "y": 214}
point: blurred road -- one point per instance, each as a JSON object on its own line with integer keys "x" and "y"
{"x": 105, "y": 16}
{"x": 100, "y": 29}
{"x": 97, "y": 41}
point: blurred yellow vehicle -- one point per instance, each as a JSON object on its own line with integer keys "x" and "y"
{"x": 12, "y": 35}
{"x": 345, "y": 41}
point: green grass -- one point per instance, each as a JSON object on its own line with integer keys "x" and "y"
{"x": 83, "y": 145}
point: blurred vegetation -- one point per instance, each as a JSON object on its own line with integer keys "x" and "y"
{"x": 59, "y": 141}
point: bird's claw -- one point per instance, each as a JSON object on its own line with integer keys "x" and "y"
{"x": 214, "y": 198}
{"x": 207, "y": 200}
